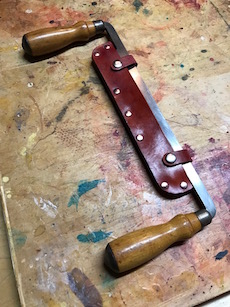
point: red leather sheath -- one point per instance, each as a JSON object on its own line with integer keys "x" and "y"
{"x": 140, "y": 122}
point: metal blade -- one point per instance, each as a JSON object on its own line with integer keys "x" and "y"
{"x": 194, "y": 178}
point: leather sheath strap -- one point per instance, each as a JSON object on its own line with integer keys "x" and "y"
{"x": 180, "y": 157}
{"x": 128, "y": 61}
{"x": 145, "y": 132}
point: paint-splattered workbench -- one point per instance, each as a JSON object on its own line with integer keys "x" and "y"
{"x": 71, "y": 180}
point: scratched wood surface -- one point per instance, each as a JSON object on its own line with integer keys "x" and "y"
{"x": 71, "y": 181}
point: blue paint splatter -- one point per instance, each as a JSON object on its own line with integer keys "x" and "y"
{"x": 94, "y": 237}
{"x": 137, "y": 4}
{"x": 221, "y": 255}
{"x": 83, "y": 187}
{"x": 19, "y": 237}
{"x": 182, "y": 65}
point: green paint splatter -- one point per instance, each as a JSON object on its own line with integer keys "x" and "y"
{"x": 108, "y": 280}
{"x": 137, "y": 4}
{"x": 146, "y": 11}
{"x": 19, "y": 237}
{"x": 94, "y": 237}
{"x": 83, "y": 187}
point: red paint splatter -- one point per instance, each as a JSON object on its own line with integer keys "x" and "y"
{"x": 20, "y": 22}
{"x": 116, "y": 133}
{"x": 103, "y": 168}
{"x": 194, "y": 4}
{"x": 159, "y": 94}
{"x": 140, "y": 53}
{"x": 190, "y": 150}
{"x": 212, "y": 140}
{"x": 160, "y": 44}
{"x": 76, "y": 15}
{"x": 211, "y": 59}
{"x": 221, "y": 162}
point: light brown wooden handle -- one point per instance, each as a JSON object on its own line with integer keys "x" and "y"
{"x": 138, "y": 247}
{"x": 48, "y": 40}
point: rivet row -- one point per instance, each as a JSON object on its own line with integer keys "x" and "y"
{"x": 165, "y": 185}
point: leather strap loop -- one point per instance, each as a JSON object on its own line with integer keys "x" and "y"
{"x": 127, "y": 61}
{"x": 176, "y": 157}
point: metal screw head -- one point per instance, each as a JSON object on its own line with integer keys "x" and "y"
{"x": 117, "y": 91}
{"x": 164, "y": 185}
{"x": 128, "y": 113}
{"x": 117, "y": 64}
{"x": 170, "y": 158}
{"x": 183, "y": 185}
{"x": 140, "y": 137}
{"x": 96, "y": 53}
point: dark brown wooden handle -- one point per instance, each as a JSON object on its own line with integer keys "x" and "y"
{"x": 48, "y": 40}
{"x": 138, "y": 247}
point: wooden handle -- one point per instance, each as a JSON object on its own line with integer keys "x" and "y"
{"x": 138, "y": 247}
{"x": 47, "y": 40}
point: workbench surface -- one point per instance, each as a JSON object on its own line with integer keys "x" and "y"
{"x": 70, "y": 178}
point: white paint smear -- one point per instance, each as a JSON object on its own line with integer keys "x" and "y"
{"x": 47, "y": 206}
{"x": 149, "y": 197}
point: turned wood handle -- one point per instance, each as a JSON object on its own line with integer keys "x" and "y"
{"x": 48, "y": 40}
{"x": 140, "y": 246}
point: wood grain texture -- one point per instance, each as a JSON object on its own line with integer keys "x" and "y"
{"x": 75, "y": 182}
{"x": 43, "y": 41}
{"x": 138, "y": 247}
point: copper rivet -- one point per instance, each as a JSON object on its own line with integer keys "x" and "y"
{"x": 164, "y": 185}
{"x": 170, "y": 158}
{"x": 117, "y": 64}
{"x": 183, "y": 185}
{"x": 140, "y": 137}
{"x": 117, "y": 91}
{"x": 128, "y": 113}
{"x": 96, "y": 53}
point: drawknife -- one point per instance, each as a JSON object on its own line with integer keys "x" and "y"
{"x": 168, "y": 164}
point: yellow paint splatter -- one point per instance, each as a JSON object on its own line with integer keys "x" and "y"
{"x": 15, "y": 47}
{"x": 5, "y": 179}
{"x": 52, "y": 303}
{"x": 39, "y": 230}
{"x": 23, "y": 151}
{"x": 8, "y": 194}
{"x": 31, "y": 140}
{"x": 30, "y": 143}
